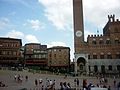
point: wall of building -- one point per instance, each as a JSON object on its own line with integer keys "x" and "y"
{"x": 10, "y": 51}
{"x": 35, "y": 54}
{"x": 59, "y": 57}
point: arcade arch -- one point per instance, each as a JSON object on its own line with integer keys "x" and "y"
{"x": 81, "y": 64}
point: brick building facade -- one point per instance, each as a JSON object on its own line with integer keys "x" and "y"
{"x": 59, "y": 57}
{"x": 101, "y": 53}
{"x": 10, "y": 51}
{"x": 35, "y": 54}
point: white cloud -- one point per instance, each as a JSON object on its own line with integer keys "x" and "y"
{"x": 31, "y": 39}
{"x": 15, "y": 34}
{"x": 4, "y": 22}
{"x": 96, "y": 12}
{"x": 59, "y": 12}
{"x": 56, "y": 43}
{"x": 35, "y": 24}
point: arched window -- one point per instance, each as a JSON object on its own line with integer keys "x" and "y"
{"x": 94, "y": 56}
{"x": 116, "y": 30}
{"x": 108, "y": 41}
{"x": 102, "y": 56}
{"x": 101, "y": 41}
{"x": 109, "y": 56}
{"x": 117, "y": 56}
{"x": 116, "y": 41}
{"x": 88, "y": 56}
{"x": 89, "y": 68}
{"x": 103, "y": 69}
{"x": 94, "y": 41}
{"x": 118, "y": 68}
{"x": 110, "y": 67}
{"x": 95, "y": 68}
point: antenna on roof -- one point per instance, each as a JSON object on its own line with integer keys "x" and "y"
{"x": 97, "y": 32}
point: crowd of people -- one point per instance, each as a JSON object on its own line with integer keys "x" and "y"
{"x": 50, "y": 84}
{"x": 76, "y": 84}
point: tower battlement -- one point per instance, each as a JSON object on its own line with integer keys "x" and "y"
{"x": 111, "y": 18}
{"x": 95, "y": 36}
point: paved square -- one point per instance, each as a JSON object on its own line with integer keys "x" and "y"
{"x": 7, "y": 77}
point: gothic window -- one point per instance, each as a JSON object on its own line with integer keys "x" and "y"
{"x": 118, "y": 67}
{"x": 88, "y": 56}
{"x": 95, "y": 68}
{"x": 94, "y": 56}
{"x": 94, "y": 42}
{"x": 110, "y": 67}
{"x": 108, "y": 41}
{"x": 103, "y": 69}
{"x": 117, "y": 56}
{"x": 116, "y": 30}
{"x": 89, "y": 68}
{"x": 109, "y": 56}
{"x": 101, "y": 56}
{"x": 81, "y": 67}
{"x": 101, "y": 42}
{"x": 116, "y": 41}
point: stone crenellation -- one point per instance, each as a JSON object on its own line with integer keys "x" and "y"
{"x": 111, "y": 18}
{"x": 95, "y": 36}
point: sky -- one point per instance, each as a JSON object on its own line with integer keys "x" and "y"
{"x": 50, "y": 22}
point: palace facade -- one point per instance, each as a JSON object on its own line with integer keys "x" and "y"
{"x": 100, "y": 53}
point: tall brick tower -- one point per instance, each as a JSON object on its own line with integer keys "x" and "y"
{"x": 78, "y": 25}
{"x": 80, "y": 57}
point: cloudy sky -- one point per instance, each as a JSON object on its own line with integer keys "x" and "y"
{"x": 50, "y": 22}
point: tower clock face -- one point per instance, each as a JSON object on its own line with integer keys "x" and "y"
{"x": 78, "y": 33}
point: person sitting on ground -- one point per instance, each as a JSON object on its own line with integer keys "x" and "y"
{"x": 2, "y": 84}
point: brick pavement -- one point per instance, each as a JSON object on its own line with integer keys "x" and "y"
{"x": 8, "y": 78}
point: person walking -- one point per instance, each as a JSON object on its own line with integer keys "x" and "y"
{"x": 36, "y": 82}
